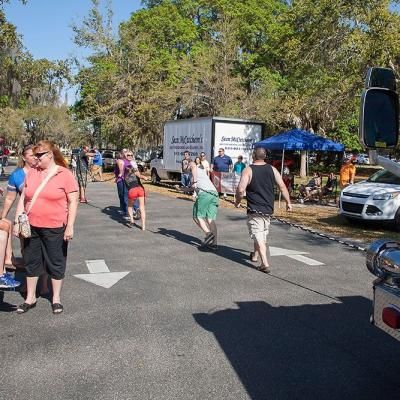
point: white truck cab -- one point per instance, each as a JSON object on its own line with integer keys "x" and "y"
{"x": 379, "y": 129}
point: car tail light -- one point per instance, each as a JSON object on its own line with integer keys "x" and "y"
{"x": 391, "y": 317}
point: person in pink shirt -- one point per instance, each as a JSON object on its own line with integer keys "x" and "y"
{"x": 52, "y": 217}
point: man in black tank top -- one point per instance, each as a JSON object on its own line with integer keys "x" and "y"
{"x": 258, "y": 181}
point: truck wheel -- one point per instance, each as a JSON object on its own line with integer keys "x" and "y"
{"x": 154, "y": 176}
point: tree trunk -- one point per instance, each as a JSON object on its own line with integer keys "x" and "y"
{"x": 303, "y": 161}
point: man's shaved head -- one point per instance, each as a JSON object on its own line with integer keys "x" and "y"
{"x": 260, "y": 153}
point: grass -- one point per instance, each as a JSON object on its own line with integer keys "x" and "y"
{"x": 326, "y": 219}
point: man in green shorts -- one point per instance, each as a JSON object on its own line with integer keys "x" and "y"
{"x": 206, "y": 206}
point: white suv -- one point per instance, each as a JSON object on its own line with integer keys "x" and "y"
{"x": 375, "y": 199}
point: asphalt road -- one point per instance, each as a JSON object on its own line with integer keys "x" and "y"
{"x": 184, "y": 324}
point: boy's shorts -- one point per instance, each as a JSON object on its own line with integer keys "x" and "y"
{"x": 206, "y": 206}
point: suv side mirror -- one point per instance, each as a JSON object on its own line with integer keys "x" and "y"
{"x": 379, "y": 112}
{"x": 380, "y": 78}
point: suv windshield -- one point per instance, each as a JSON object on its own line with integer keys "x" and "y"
{"x": 384, "y": 176}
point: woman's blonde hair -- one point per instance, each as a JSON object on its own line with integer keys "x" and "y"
{"x": 50, "y": 146}
{"x": 21, "y": 161}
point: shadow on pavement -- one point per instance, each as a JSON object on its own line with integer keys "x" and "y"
{"x": 44, "y": 290}
{"x": 114, "y": 214}
{"x": 327, "y": 351}
{"x": 236, "y": 255}
{"x": 177, "y": 235}
{"x": 4, "y": 306}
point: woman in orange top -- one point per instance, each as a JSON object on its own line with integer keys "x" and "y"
{"x": 347, "y": 173}
{"x": 52, "y": 217}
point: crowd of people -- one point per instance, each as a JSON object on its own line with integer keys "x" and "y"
{"x": 49, "y": 193}
{"x": 314, "y": 189}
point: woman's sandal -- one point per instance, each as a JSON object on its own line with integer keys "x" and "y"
{"x": 25, "y": 307}
{"x": 263, "y": 268}
{"x": 253, "y": 256}
{"x": 57, "y": 308}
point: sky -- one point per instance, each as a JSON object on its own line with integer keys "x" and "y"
{"x": 46, "y": 24}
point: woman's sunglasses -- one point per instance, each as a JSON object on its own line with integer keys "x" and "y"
{"x": 40, "y": 155}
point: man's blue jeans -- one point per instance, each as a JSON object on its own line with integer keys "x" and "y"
{"x": 123, "y": 198}
{"x": 185, "y": 180}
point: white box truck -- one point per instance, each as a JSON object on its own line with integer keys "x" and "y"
{"x": 206, "y": 135}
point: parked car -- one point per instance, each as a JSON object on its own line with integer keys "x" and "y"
{"x": 140, "y": 163}
{"x": 374, "y": 199}
{"x": 109, "y": 159}
{"x": 362, "y": 159}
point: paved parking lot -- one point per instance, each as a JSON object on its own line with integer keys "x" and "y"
{"x": 177, "y": 323}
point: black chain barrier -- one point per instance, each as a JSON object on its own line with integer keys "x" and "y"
{"x": 283, "y": 221}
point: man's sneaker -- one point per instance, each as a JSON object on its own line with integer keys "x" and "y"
{"x": 208, "y": 247}
{"x": 8, "y": 282}
{"x": 210, "y": 237}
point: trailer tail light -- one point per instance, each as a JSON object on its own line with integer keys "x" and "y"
{"x": 391, "y": 317}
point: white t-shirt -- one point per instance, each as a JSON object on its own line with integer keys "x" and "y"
{"x": 203, "y": 181}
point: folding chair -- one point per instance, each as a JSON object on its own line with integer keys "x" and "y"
{"x": 331, "y": 194}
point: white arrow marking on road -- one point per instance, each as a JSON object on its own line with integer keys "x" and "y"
{"x": 277, "y": 251}
{"x": 296, "y": 255}
{"x": 100, "y": 274}
{"x": 305, "y": 260}
{"x": 106, "y": 279}
{"x": 97, "y": 266}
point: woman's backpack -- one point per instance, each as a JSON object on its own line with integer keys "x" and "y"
{"x": 130, "y": 179}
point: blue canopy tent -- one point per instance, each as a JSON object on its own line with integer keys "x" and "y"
{"x": 297, "y": 139}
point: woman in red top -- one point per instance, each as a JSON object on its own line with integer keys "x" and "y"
{"x": 52, "y": 217}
